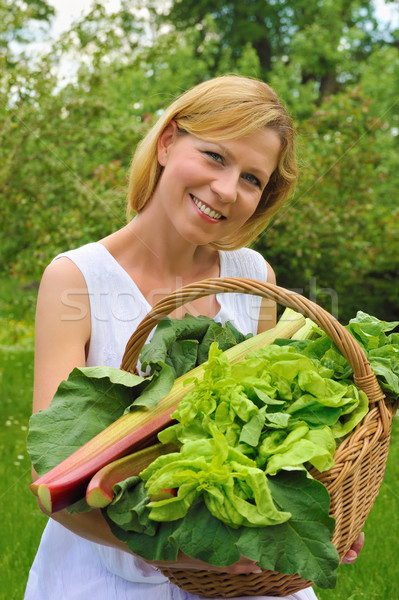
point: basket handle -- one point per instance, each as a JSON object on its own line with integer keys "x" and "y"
{"x": 350, "y": 349}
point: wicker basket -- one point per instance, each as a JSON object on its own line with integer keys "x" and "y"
{"x": 354, "y": 481}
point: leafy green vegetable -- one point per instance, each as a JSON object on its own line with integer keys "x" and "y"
{"x": 272, "y": 392}
{"x": 158, "y": 385}
{"x": 200, "y": 535}
{"x": 161, "y": 546}
{"x": 302, "y": 544}
{"x": 128, "y": 510}
{"x": 382, "y": 350}
{"x": 184, "y": 343}
{"x": 234, "y": 489}
{"x": 282, "y": 449}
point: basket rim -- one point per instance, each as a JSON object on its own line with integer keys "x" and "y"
{"x": 341, "y": 337}
{"x": 364, "y": 378}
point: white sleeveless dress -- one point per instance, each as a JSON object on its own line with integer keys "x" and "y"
{"x": 66, "y": 566}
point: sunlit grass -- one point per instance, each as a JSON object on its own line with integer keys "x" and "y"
{"x": 17, "y": 309}
{"x": 375, "y": 574}
{"x": 21, "y": 523}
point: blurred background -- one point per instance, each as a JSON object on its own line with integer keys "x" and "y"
{"x": 80, "y": 85}
{"x": 82, "y": 81}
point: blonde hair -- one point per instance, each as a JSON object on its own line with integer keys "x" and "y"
{"x": 223, "y": 108}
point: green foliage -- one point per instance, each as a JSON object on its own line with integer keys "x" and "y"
{"x": 323, "y": 39}
{"x": 67, "y": 150}
{"x": 17, "y": 19}
{"x": 340, "y": 232}
{"x": 65, "y": 146}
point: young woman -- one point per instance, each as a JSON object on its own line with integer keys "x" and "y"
{"x": 203, "y": 184}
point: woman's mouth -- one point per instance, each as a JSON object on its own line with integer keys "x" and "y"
{"x": 206, "y": 210}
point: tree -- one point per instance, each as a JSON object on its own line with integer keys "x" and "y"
{"x": 322, "y": 38}
{"x": 18, "y": 80}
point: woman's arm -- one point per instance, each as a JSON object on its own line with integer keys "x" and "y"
{"x": 62, "y": 329}
{"x": 63, "y": 326}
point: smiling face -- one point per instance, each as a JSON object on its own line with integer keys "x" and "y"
{"x": 208, "y": 190}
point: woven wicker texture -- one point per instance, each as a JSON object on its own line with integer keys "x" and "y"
{"x": 354, "y": 481}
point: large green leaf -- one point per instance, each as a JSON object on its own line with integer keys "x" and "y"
{"x": 301, "y": 545}
{"x": 161, "y": 546}
{"x": 128, "y": 509}
{"x": 209, "y": 539}
{"x": 86, "y": 403}
{"x": 184, "y": 343}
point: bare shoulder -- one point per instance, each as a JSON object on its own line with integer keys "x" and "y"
{"x": 271, "y": 276}
{"x": 62, "y": 271}
{"x": 62, "y": 286}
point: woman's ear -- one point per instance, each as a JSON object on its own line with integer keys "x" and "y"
{"x": 166, "y": 141}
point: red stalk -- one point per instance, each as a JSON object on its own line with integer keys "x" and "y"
{"x": 99, "y": 492}
{"x": 66, "y": 483}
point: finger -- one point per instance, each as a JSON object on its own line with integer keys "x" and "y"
{"x": 354, "y": 550}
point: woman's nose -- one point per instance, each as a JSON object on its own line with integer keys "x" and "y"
{"x": 225, "y": 185}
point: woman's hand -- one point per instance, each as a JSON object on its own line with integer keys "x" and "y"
{"x": 354, "y": 550}
{"x": 244, "y": 565}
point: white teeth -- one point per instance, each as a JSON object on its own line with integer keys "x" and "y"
{"x": 206, "y": 210}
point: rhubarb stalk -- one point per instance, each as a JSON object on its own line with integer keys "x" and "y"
{"x": 100, "y": 492}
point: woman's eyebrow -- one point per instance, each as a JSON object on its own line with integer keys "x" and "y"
{"x": 261, "y": 173}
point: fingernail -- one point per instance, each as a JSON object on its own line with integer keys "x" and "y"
{"x": 350, "y": 559}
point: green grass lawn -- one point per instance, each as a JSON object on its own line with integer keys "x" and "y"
{"x": 375, "y": 575}
{"x": 21, "y": 523}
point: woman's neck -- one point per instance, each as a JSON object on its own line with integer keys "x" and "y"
{"x": 163, "y": 256}
{"x": 158, "y": 266}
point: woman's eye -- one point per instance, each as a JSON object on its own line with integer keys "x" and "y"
{"x": 252, "y": 179}
{"x": 215, "y": 156}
